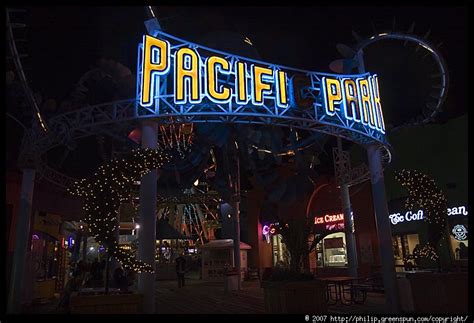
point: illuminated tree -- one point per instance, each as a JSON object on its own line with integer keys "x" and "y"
{"x": 425, "y": 194}
{"x": 106, "y": 190}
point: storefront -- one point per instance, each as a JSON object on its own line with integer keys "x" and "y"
{"x": 458, "y": 232}
{"x": 280, "y": 255}
{"x": 48, "y": 256}
{"x": 331, "y": 250}
{"x": 409, "y": 230}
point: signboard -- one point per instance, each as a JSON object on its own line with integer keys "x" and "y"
{"x": 409, "y": 216}
{"x": 330, "y": 221}
{"x": 200, "y": 84}
{"x": 459, "y": 232}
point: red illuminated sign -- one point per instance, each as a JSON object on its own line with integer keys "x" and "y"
{"x": 329, "y": 218}
{"x": 332, "y": 222}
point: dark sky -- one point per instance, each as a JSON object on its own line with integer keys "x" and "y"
{"x": 66, "y": 41}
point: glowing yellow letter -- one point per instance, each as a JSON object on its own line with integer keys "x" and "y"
{"x": 259, "y": 87}
{"x": 213, "y": 64}
{"x": 365, "y": 102}
{"x": 153, "y": 50}
{"x": 282, "y": 99}
{"x": 186, "y": 72}
{"x": 332, "y": 94}
{"x": 352, "y": 104}
{"x": 380, "y": 124}
{"x": 241, "y": 82}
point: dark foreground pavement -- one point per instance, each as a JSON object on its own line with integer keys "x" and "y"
{"x": 201, "y": 297}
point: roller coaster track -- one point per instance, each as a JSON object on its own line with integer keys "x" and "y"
{"x": 19, "y": 67}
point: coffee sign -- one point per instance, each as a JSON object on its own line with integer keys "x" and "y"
{"x": 409, "y": 216}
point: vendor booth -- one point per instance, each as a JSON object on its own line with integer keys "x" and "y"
{"x": 219, "y": 254}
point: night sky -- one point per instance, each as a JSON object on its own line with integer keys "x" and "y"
{"x": 66, "y": 41}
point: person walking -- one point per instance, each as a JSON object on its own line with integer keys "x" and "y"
{"x": 180, "y": 270}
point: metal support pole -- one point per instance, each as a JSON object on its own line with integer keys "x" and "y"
{"x": 147, "y": 237}
{"x": 348, "y": 223}
{"x": 21, "y": 239}
{"x": 349, "y": 231}
{"x": 77, "y": 246}
{"x": 84, "y": 247}
{"x": 236, "y": 206}
{"x": 384, "y": 232}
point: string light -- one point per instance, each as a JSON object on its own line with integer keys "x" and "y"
{"x": 423, "y": 193}
{"x": 106, "y": 190}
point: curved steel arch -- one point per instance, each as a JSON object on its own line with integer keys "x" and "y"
{"x": 443, "y": 89}
{"x": 70, "y": 126}
{"x": 66, "y": 128}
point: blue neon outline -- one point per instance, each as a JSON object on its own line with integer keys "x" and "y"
{"x": 217, "y": 68}
{"x": 362, "y": 106}
{"x": 267, "y": 78}
{"x": 379, "y": 113}
{"x": 154, "y": 88}
{"x": 236, "y": 86}
{"x": 186, "y": 79}
{"x": 277, "y": 83}
{"x": 326, "y": 103}
{"x": 139, "y": 71}
{"x": 313, "y": 75}
{"x": 374, "y": 112}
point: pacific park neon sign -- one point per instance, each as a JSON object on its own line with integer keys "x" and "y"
{"x": 197, "y": 76}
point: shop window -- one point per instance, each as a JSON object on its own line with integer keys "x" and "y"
{"x": 459, "y": 240}
{"x": 45, "y": 254}
{"x": 397, "y": 247}
{"x": 280, "y": 253}
{"x": 412, "y": 240}
{"x": 331, "y": 251}
{"x": 403, "y": 246}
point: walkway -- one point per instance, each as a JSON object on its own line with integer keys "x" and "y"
{"x": 201, "y": 297}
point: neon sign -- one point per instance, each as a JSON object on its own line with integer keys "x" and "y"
{"x": 460, "y": 210}
{"x": 270, "y": 230}
{"x": 409, "y": 216}
{"x": 329, "y": 218}
{"x": 460, "y": 232}
{"x": 200, "y": 84}
{"x": 195, "y": 79}
{"x": 331, "y": 221}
